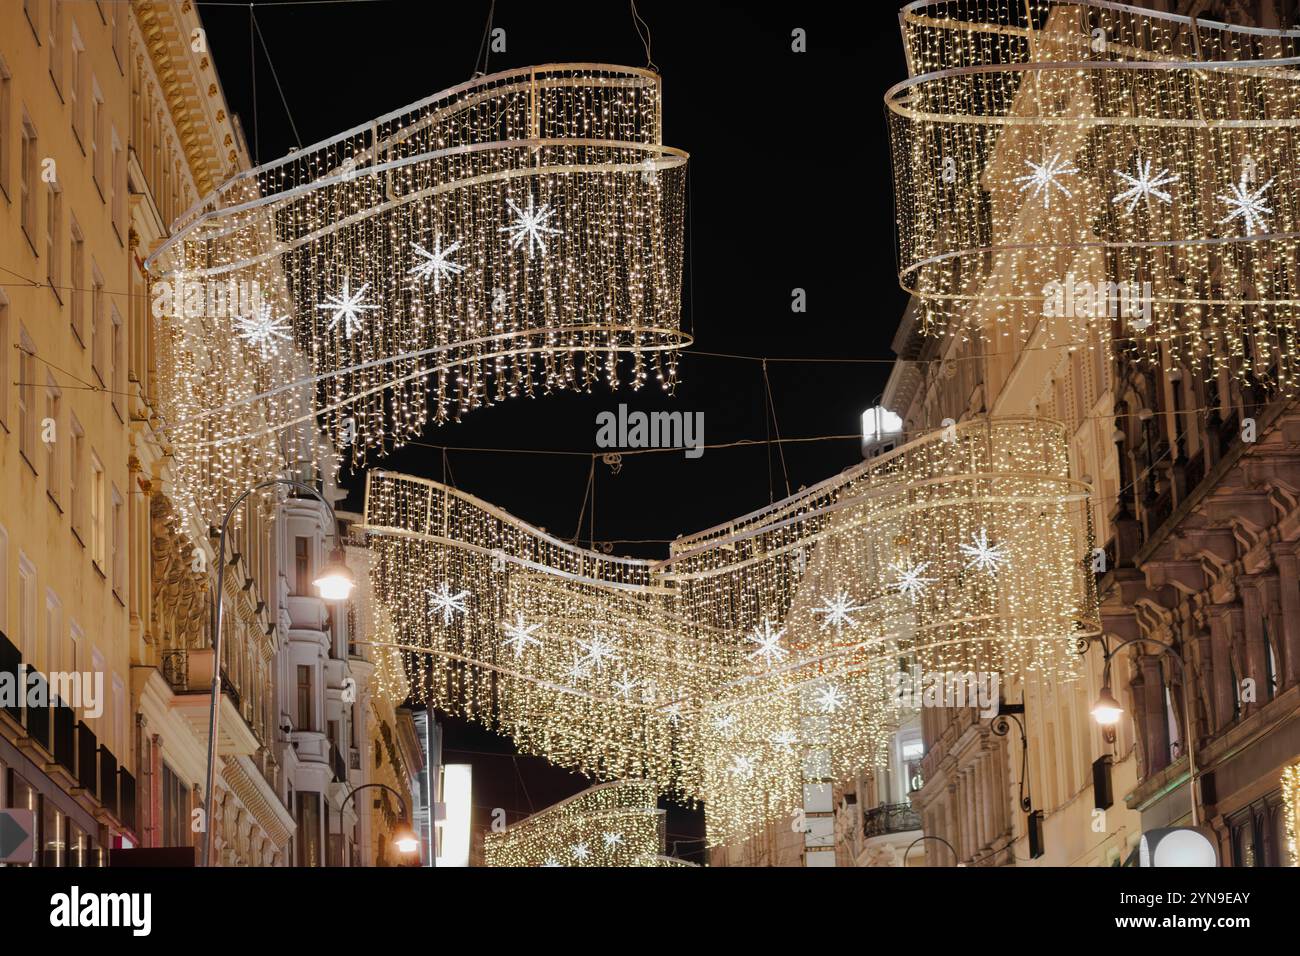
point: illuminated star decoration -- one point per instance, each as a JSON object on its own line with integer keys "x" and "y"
{"x": 829, "y": 699}
{"x": 612, "y": 840}
{"x": 768, "y": 641}
{"x": 784, "y": 738}
{"x": 741, "y": 766}
{"x": 982, "y": 555}
{"x": 518, "y": 637}
{"x": 1145, "y": 185}
{"x": 1045, "y": 177}
{"x": 625, "y": 685}
{"x": 530, "y": 225}
{"x": 347, "y": 308}
{"x": 262, "y": 329}
{"x": 599, "y": 650}
{"x": 724, "y": 723}
{"x": 578, "y": 669}
{"x": 580, "y": 851}
{"x": 673, "y": 712}
{"x": 446, "y": 602}
{"x": 437, "y": 264}
{"x": 1248, "y": 205}
{"x": 837, "y": 611}
{"x": 911, "y": 580}
{"x": 552, "y": 861}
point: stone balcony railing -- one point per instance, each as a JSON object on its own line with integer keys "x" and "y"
{"x": 890, "y": 818}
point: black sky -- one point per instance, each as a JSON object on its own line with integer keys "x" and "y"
{"x": 789, "y": 188}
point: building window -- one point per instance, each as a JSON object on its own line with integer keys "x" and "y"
{"x": 5, "y": 349}
{"x": 6, "y": 87}
{"x": 50, "y": 436}
{"x": 77, "y": 92}
{"x": 176, "y": 809}
{"x": 302, "y": 564}
{"x": 76, "y": 479}
{"x": 117, "y": 189}
{"x": 117, "y": 359}
{"x": 56, "y": 45}
{"x": 98, "y": 531}
{"x": 77, "y": 282}
{"x": 28, "y": 170}
{"x": 53, "y": 658}
{"x": 53, "y": 232}
{"x": 32, "y": 10}
{"x": 97, "y": 332}
{"x": 309, "y": 829}
{"x": 26, "y": 607}
{"x": 306, "y": 697}
{"x": 119, "y": 545}
{"x": 27, "y": 398}
{"x": 98, "y": 143}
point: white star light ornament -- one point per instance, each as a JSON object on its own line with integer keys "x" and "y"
{"x": 911, "y": 581}
{"x": 347, "y": 307}
{"x": 769, "y": 643}
{"x": 518, "y": 637}
{"x": 530, "y": 226}
{"x": 1046, "y": 176}
{"x": 612, "y": 840}
{"x": 982, "y": 555}
{"x": 437, "y": 264}
{"x": 599, "y": 650}
{"x": 449, "y": 604}
{"x": 624, "y": 686}
{"x": 741, "y": 766}
{"x": 580, "y": 851}
{"x": 262, "y": 329}
{"x": 829, "y": 699}
{"x": 1248, "y": 205}
{"x": 1144, "y": 185}
{"x": 837, "y": 611}
{"x": 785, "y": 739}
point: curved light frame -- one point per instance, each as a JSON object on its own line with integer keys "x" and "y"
{"x": 493, "y": 618}
{"x": 522, "y": 232}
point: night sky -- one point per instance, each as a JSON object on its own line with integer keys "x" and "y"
{"x": 789, "y": 188}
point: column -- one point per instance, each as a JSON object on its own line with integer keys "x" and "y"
{"x": 1288, "y": 576}
{"x": 1250, "y": 587}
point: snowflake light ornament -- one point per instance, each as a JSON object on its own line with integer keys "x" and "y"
{"x": 1046, "y": 176}
{"x": 1144, "y": 185}
{"x": 768, "y": 640}
{"x": 837, "y": 611}
{"x": 262, "y": 329}
{"x": 911, "y": 581}
{"x": 624, "y": 686}
{"x": 580, "y": 851}
{"x": 519, "y": 636}
{"x": 829, "y": 699}
{"x": 786, "y": 739}
{"x": 599, "y": 650}
{"x": 982, "y": 555}
{"x": 436, "y": 264}
{"x": 724, "y": 723}
{"x": 347, "y": 307}
{"x": 449, "y": 604}
{"x": 612, "y": 840}
{"x": 741, "y": 766}
{"x": 1248, "y": 205}
{"x": 530, "y": 226}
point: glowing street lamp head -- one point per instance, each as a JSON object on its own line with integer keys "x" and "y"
{"x": 335, "y": 581}
{"x": 1107, "y": 711}
{"x": 405, "y": 840}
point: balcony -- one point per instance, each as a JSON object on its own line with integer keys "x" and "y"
{"x": 890, "y": 818}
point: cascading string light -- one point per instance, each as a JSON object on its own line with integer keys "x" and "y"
{"x": 714, "y": 671}
{"x": 515, "y": 235}
{"x": 1098, "y": 173}
{"x": 611, "y": 825}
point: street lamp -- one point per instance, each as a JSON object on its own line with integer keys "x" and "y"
{"x": 405, "y": 839}
{"x": 335, "y": 584}
{"x": 940, "y": 839}
{"x": 1107, "y": 710}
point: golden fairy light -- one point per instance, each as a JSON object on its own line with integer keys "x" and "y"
{"x": 714, "y": 671}
{"x": 1291, "y": 810}
{"x": 611, "y": 825}
{"x": 1089, "y": 171}
{"x": 517, "y": 234}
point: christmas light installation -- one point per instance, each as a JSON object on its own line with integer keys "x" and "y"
{"x": 1291, "y": 811}
{"x": 611, "y": 825}
{"x": 713, "y": 670}
{"x": 513, "y": 235}
{"x": 1036, "y": 140}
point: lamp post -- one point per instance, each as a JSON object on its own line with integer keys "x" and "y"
{"x": 334, "y": 583}
{"x": 406, "y": 841}
{"x": 1107, "y": 710}
{"x": 922, "y": 839}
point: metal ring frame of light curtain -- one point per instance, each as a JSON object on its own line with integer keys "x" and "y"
{"x": 1117, "y": 152}
{"x": 513, "y": 235}
{"x": 716, "y": 671}
{"x": 615, "y": 824}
